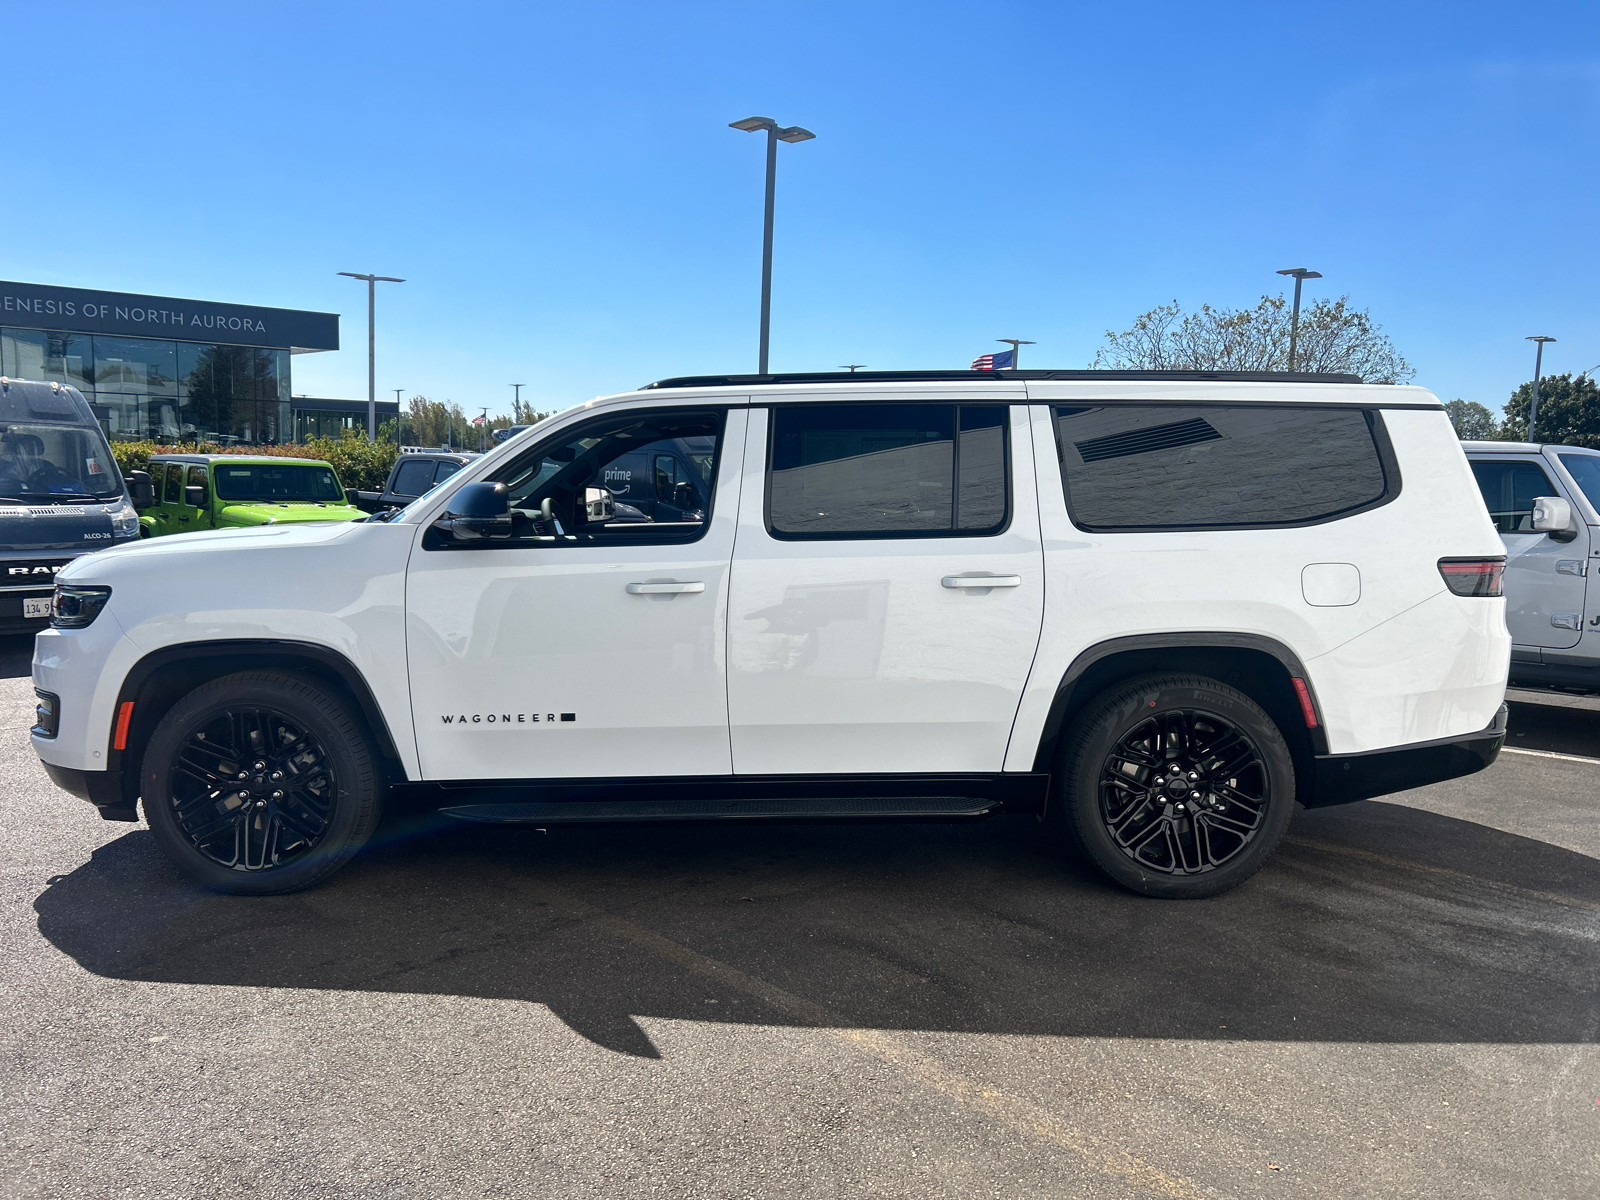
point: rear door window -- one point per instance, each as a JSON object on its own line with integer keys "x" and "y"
{"x": 1509, "y": 489}
{"x": 197, "y": 478}
{"x": 1127, "y": 467}
{"x": 887, "y": 471}
{"x": 174, "y": 491}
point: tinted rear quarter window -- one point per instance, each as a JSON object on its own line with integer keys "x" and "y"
{"x": 1155, "y": 466}
{"x": 887, "y": 470}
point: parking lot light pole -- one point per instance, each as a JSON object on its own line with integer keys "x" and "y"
{"x": 775, "y": 134}
{"x": 1538, "y": 340}
{"x": 1300, "y": 276}
{"x": 516, "y": 403}
{"x": 372, "y": 358}
{"x": 851, "y": 367}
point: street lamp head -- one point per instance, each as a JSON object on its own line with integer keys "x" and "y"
{"x": 1538, "y": 337}
{"x": 1301, "y": 273}
{"x": 795, "y": 134}
{"x": 751, "y": 124}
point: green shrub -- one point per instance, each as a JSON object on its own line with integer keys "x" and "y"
{"x": 358, "y": 462}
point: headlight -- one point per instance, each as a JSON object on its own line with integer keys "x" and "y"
{"x": 77, "y": 605}
{"x": 125, "y": 521}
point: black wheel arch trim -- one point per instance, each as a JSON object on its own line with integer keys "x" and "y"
{"x": 1066, "y": 697}
{"x": 284, "y": 653}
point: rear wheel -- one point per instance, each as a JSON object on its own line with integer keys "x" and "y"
{"x": 1176, "y": 786}
{"x": 260, "y": 782}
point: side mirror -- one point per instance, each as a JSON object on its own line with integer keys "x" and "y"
{"x": 683, "y": 496}
{"x": 141, "y": 489}
{"x": 1553, "y": 515}
{"x": 478, "y": 511}
{"x": 194, "y": 495}
{"x": 598, "y": 505}
{"x": 352, "y": 495}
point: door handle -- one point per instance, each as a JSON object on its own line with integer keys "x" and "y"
{"x": 664, "y": 589}
{"x": 981, "y": 581}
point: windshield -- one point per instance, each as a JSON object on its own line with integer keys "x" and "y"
{"x": 55, "y": 462}
{"x": 1585, "y": 472}
{"x": 268, "y": 481}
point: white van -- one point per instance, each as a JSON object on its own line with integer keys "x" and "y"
{"x": 1545, "y": 503}
{"x": 1156, "y": 608}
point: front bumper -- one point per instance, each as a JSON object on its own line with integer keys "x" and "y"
{"x": 1344, "y": 778}
{"x": 103, "y": 789}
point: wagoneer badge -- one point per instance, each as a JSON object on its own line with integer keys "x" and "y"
{"x": 505, "y": 718}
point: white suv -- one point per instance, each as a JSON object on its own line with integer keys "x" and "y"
{"x": 1545, "y": 502}
{"x": 1155, "y": 608}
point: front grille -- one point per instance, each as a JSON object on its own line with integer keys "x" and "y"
{"x": 29, "y": 574}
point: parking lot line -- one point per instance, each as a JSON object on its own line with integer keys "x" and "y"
{"x": 1549, "y": 754}
{"x": 886, "y": 1047}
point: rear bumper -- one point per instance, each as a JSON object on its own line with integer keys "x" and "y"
{"x": 100, "y": 788}
{"x": 1343, "y": 778}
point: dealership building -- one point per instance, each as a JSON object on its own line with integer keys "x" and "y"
{"x": 175, "y": 370}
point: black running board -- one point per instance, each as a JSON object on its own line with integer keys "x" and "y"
{"x": 546, "y": 812}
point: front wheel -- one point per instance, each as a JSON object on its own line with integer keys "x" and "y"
{"x": 260, "y": 782}
{"x": 1176, "y": 786}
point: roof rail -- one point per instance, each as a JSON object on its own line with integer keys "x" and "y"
{"x": 693, "y": 381}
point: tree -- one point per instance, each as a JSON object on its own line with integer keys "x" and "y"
{"x": 1569, "y": 411}
{"x": 433, "y": 423}
{"x": 1473, "y": 422}
{"x": 1332, "y": 337}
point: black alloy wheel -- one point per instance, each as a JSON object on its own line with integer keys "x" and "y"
{"x": 253, "y": 789}
{"x": 1177, "y": 786}
{"x": 1183, "y": 792}
{"x": 260, "y": 782}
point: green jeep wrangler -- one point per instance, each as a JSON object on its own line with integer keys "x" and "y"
{"x": 225, "y": 491}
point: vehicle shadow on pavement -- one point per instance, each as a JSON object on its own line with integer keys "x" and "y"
{"x": 1374, "y": 923}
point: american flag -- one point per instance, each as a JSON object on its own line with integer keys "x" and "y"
{"x": 478, "y": 420}
{"x": 993, "y": 362}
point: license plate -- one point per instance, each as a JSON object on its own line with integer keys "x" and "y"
{"x": 36, "y": 606}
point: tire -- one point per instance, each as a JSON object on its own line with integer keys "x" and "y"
{"x": 1198, "y": 832}
{"x": 260, "y": 783}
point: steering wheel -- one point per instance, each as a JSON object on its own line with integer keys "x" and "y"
{"x": 51, "y": 475}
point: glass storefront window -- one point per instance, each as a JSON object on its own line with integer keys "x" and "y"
{"x": 120, "y": 416}
{"x": 171, "y": 391}
{"x": 57, "y": 357}
{"x": 136, "y": 366}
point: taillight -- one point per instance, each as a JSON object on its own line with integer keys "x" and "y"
{"x": 1473, "y": 576}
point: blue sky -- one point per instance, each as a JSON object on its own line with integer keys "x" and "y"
{"x": 558, "y": 185}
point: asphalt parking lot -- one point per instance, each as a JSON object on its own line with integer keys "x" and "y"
{"x": 1404, "y": 1003}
